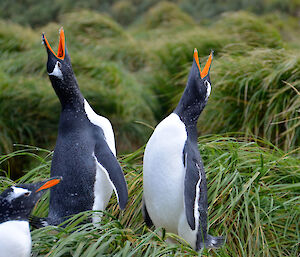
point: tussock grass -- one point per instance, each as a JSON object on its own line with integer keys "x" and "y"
{"x": 250, "y": 29}
{"x": 136, "y": 75}
{"x": 15, "y": 38}
{"x": 39, "y": 12}
{"x": 88, "y": 26}
{"x": 253, "y": 195}
{"x": 167, "y": 14}
{"x": 258, "y": 94}
{"x": 28, "y": 114}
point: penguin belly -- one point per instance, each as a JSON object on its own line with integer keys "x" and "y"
{"x": 164, "y": 173}
{"x": 102, "y": 191}
{"x": 15, "y": 239}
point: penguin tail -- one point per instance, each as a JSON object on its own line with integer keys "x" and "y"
{"x": 214, "y": 241}
{"x": 38, "y": 222}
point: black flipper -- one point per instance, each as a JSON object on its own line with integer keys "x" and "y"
{"x": 195, "y": 188}
{"x": 38, "y": 222}
{"x": 106, "y": 158}
{"x": 146, "y": 216}
{"x": 192, "y": 177}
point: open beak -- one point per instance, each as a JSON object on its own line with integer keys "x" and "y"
{"x": 61, "y": 46}
{"x": 206, "y": 68}
{"x": 49, "y": 183}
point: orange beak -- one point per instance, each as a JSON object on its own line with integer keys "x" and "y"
{"x": 206, "y": 68}
{"x": 61, "y": 46}
{"x": 49, "y": 183}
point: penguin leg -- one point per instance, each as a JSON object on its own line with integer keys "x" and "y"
{"x": 38, "y": 222}
{"x": 214, "y": 241}
{"x": 146, "y": 216}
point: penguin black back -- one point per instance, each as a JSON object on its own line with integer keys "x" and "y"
{"x": 85, "y": 150}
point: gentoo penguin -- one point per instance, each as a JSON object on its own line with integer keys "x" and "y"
{"x": 16, "y": 204}
{"x": 85, "y": 153}
{"x": 175, "y": 191}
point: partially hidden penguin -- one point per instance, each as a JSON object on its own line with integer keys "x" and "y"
{"x": 175, "y": 190}
{"x": 85, "y": 152}
{"x": 16, "y": 204}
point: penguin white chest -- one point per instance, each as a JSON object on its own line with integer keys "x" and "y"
{"x": 164, "y": 173}
{"x": 15, "y": 239}
{"x": 103, "y": 123}
{"x": 103, "y": 189}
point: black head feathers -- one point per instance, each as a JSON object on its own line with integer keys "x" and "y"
{"x": 196, "y": 92}
{"x": 17, "y": 202}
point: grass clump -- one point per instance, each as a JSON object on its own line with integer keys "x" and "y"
{"x": 87, "y": 26}
{"x": 124, "y": 11}
{"x": 167, "y": 14}
{"x": 249, "y": 29}
{"x": 251, "y": 180}
{"x": 258, "y": 94}
{"x": 15, "y": 38}
{"x": 28, "y": 114}
{"x": 253, "y": 195}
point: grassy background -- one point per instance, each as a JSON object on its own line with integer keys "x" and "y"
{"x": 131, "y": 59}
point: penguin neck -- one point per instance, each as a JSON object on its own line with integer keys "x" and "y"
{"x": 13, "y": 218}
{"x": 9, "y": 214}
{"x": 69, "y": 95}
{"x": 189, "y": 109}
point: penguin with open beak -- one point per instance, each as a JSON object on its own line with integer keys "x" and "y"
{"x": 175, "y": 190}
{"x": 16, "y": 204}
{"x": 85, "y": 152}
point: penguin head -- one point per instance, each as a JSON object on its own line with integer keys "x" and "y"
{"x": 200, "y": 79}
{"x": 17, "y": 202}
{"x": 59, "y": 66}
{"x": 196, "y": 92}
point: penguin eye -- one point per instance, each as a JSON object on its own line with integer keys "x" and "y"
{"x": 27, "y": 194}
{"x": 208, "y": 88}
{"x": 59, "y": 64}
{"x": 206, "y": 83}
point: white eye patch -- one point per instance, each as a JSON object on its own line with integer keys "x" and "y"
{"x": 56, "y": 71}
{"x": 17, "y": 192}
{"x": 208, "y": 89}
